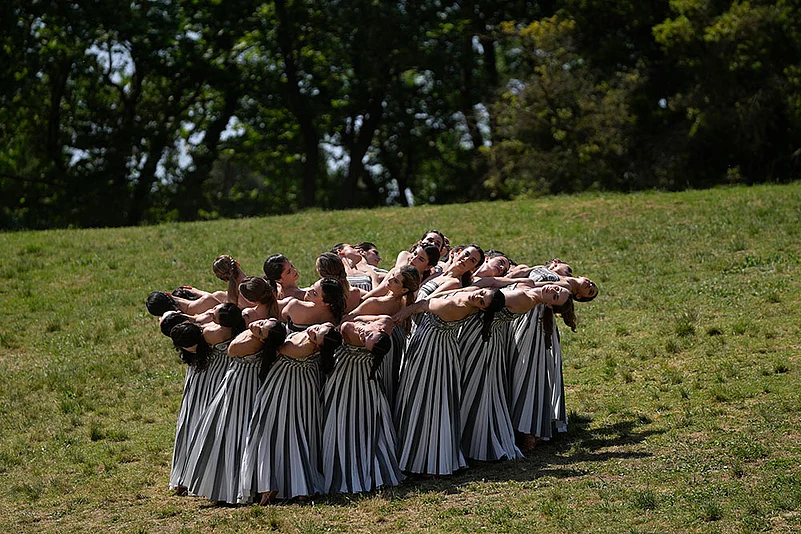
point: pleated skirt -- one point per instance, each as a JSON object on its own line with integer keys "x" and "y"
{"x": 358, "y": 435}
{"x": 199, "y": 389}
{"x": 422, "y": 293}
{"x": 429, "y": 398}
{"x": 390, "y": 366}
{"x": 283, "y": 443}
{"x": 215, "y": 454}
{"x": 558, "y": 388}
{"x": 487, "y": 432}
{"x": 536, "y": 393}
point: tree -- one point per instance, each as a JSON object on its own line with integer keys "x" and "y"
{"x": 561, "y": 127}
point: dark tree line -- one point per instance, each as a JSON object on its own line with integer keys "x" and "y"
{"x": 122, "y": 113}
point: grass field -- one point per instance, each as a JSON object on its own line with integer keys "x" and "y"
{"x": 682, "y": 381}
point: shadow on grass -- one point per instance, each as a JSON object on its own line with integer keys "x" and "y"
{"x": 555, "y": 458}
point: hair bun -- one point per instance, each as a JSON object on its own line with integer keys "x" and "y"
{"x": 224, "y": 267}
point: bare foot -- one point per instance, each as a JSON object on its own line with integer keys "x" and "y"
{"x": 527, "y": 442}
{"x": 268, "y": 497}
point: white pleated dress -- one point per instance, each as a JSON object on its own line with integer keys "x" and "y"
{"x": 283, "y": 445}
{"x": 536, "y": 390}
{"x": 487, "y": 432}
{"x": 199, "y": 390}
{"x": 215, "y": 455}
{"x": 358, "y": 435}
{"x": 429, "y": 400}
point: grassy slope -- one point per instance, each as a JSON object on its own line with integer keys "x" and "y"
{"x": 682, "y": 380}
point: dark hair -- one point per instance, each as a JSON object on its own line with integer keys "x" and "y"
{"x": 269, "y": 352}
{"x": 433, "y": 254}
{"x": 170, "y": 321}
{"x": 467, "y": 277}
{"x": 331, "y": 341}
{"x": 258, "y": 289}
{"x": 182, "y": 293}
{"x": 158, "y": 303}
{"x": 568, "y": 313}
{"x": 334, "y": 296}
{"x": 380, "y": 349}
{"x": 329, "y": 265}
{"x": 366, "y": 245}
{"x": 185, "y": 335}
{"x": 274, "y": 269}
{"x": 410, "y": 278}
{"x": 496, "y": 304}
{"x": 231, "y": 317}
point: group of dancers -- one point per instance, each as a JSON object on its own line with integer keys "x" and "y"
{"x": 368, "y": 375}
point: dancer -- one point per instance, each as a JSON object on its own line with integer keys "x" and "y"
{"x": 429, "y": 394}
{"x": 282, "y": 450}
{"x": 487, "y": 431}
{"x": 283, "y": 277}
{"x": 358, "y": 435}
{"x": 324, "y": 303}
{"x": 329, "y": 265}
{"x": 536, "y": 390}
{"x": 215, "y": 453}
{"x": 204, "y": 349}
{"x": 402, "y": 285}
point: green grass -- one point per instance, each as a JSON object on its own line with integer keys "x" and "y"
{"x": 682, "y": 380}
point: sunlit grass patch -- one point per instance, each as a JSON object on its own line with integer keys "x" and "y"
{"x": 680, "y": 382}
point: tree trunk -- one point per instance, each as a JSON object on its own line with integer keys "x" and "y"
{"x": 299, "y": 105}
{"x": 191, "y": 199}
{"x": 357, "y": 148}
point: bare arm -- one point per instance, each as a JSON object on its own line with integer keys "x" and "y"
{"x": 408, "y": 311}
{"x": 448, "y": 284}
{"x": 374, "y": 306}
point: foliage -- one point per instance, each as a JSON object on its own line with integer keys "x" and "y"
{"x": 123, "y": 113}
{"x": 561, "y": 129}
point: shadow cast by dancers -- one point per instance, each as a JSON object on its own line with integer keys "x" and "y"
{"x": 560, "y": 458}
